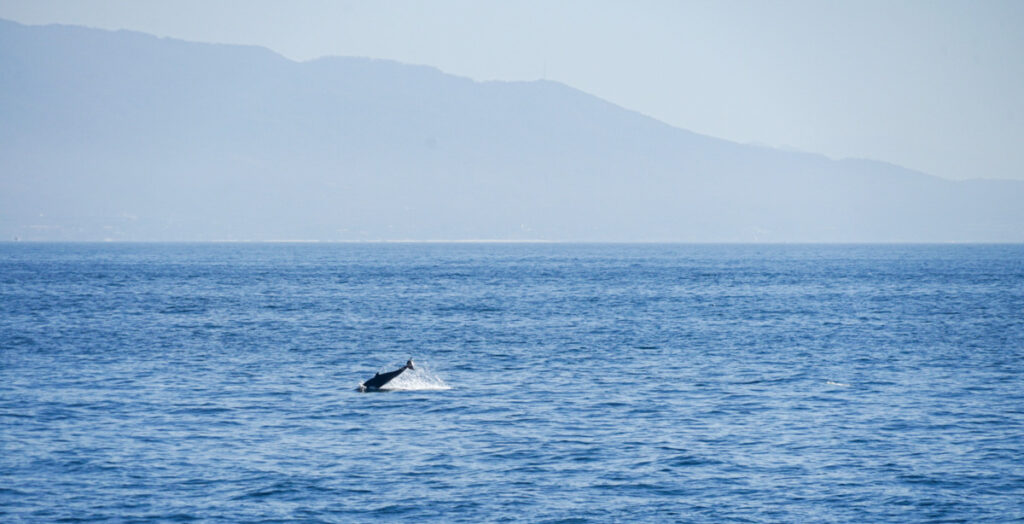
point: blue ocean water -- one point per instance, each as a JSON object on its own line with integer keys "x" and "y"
{"x": 554, "y": 383}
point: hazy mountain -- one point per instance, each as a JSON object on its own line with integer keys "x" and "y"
{"x": 127, "y": 136}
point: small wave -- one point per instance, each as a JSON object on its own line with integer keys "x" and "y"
{"x": 840, "y": 384}
{"x": 683, "y": 461}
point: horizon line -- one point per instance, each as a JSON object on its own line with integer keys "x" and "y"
{"x": 528, "y": 241}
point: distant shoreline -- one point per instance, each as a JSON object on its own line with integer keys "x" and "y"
{"x": 532, "y": 241}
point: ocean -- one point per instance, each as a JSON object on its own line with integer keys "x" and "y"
{"x": 553, "y": 383}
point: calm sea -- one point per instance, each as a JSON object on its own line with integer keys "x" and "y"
{"x": 555, "y": 383}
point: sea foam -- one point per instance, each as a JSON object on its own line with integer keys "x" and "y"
{"x": 419, "y": 379}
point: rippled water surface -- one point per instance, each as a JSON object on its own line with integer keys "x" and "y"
{"x": 586, "y": 383}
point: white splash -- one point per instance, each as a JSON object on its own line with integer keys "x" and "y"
{"x": 418, "y": 379}
{"x": 840, "y": 384}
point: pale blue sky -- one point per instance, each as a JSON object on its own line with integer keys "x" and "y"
{"x": 931, "y": 85}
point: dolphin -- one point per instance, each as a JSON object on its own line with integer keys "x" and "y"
{"x": 380, "y": 379}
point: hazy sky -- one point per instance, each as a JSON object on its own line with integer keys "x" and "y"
{"x": 931, "y": 85}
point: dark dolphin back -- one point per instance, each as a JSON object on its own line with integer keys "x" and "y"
{"x": 380, "y": 379}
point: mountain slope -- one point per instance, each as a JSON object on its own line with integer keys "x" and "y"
{"x": 127, "y": 136}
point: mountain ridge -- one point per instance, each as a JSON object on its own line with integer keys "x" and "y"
{"x": 129, "y": 136}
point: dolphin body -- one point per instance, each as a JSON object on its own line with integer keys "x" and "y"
{"x": 380, "y": 379}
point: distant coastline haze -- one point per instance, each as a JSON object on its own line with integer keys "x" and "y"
{"x": 126, "y": 136}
